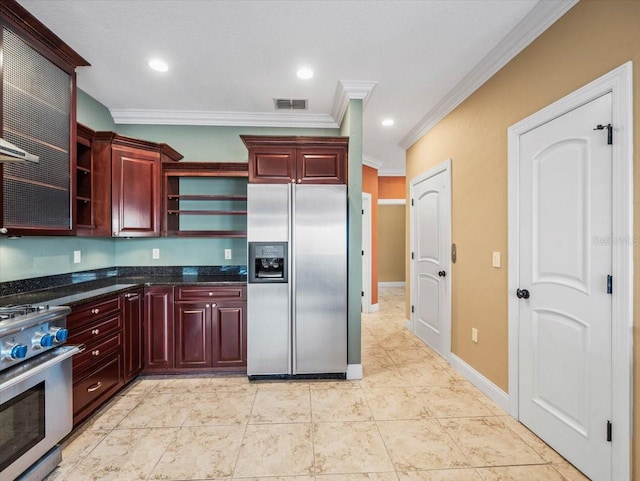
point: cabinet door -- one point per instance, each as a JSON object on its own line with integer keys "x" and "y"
{"x": 321, "y": 165}
{"x": 193, "y": 335}
{"x": 135, "y": 196}
{"x": 230, "y": 334}
{"x": 158, "y": 328}
{"x": 133, "y": 335}
{"x": 272, "y": 165}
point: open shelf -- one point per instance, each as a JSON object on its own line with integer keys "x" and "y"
{"x": 205, "y": 199}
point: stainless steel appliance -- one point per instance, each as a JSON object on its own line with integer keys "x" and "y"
{"x": 297, "y": 283}
{"x": 35, "y": 390}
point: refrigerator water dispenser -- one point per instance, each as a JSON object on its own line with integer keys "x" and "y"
{"x": 267, "y": 262}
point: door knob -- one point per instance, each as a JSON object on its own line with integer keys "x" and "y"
{"x": 442, "y": 273}
{"x": 522, "y": 293}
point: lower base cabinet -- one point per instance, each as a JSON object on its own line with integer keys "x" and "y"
{"x": 195, "y": 329}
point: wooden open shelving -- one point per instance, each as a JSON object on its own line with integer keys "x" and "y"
{"x": 215, "y": 201}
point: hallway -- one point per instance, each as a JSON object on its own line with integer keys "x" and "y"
{"x": 412, "y": 418}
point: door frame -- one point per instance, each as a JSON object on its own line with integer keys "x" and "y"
{"x": 444, "y": 166}
{"x": 366, "y": 247}
{"x": 618, "y": 82}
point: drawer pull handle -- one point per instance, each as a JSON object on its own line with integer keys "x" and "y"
{"x": 95, "y": 387}
{"x": 95, "y": 332}
{"x": 95, "y": 353}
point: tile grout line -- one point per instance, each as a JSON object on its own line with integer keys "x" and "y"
{"x": 244, "y": 433}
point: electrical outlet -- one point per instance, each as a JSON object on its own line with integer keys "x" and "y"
{"x": 495, "y": 260}
{"x": 155, "y": 253}
{"x": 77, "y": 257}
{"x": 227, "y": 254}
{"x": 474, "y": 334}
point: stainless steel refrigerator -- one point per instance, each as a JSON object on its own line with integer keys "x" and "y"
{"x": 297, "y": 280}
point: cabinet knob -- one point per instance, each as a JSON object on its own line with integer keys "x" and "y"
{"x": 95, "y": 311}
{"x": 95, "y": 353}
{"x": 95, "y": 332}
{"x": 207, "y": 306}
{"x": 210, "y": 294}
{"x": 299, "y": 181}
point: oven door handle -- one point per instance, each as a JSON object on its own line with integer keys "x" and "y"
{"x": 36, "y": 365}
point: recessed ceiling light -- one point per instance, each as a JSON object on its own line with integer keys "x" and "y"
{"x": 158, "y": 65}
{"x": 387, "y": 122}
{"x": 305, "y": 73}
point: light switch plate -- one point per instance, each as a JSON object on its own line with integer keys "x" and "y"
{"x": 495, "y": 260}
{"x": 77, "y": 257}
{"x": 474, "y": 334}
{"x": 227, "y": 254}
{"x": 155, "y": 253}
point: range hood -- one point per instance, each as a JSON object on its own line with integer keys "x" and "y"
{"x": 11, "y": 153}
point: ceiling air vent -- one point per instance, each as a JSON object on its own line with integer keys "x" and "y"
{"x": 290, "y": 104}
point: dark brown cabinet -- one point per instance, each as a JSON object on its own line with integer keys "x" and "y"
{"x": 230, "y": 335}
{"x": 38, "y": 113}
{"x": 98, "y": 370}
{"x": 193, "y": 328}
{"x": 302, "y": 160}
{"x": 158, "y": 329}
{"x": 132, "y": 308}
{"x": 126, "y": 193}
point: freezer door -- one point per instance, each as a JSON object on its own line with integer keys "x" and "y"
{"x": 268, "y": 305}
{"x": 319, "y": 266}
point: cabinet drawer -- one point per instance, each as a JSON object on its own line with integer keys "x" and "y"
{"x": 94, "y": 330}
{"x": 206, "y": 293}
{"x": 97, "y": 386}
{"x": 94, "y": 310}
{"x": 96, "y": 352}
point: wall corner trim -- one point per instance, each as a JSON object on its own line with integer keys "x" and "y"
{"x": 347, "y": 90}
{"x": 354, "y": 371}
{"x": 541, "y": 17}
{"x": 489, "y": 389}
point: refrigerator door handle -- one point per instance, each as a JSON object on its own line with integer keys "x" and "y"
{"x": 292, "y": 278}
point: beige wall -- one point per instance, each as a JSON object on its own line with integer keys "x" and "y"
{"x": 391, "y": 234}
{"x": 593, "y": 38}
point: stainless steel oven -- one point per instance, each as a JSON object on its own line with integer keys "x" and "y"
{"x": 36, "y": 399}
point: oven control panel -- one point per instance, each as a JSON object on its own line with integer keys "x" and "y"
{"x": 31, "y": 341}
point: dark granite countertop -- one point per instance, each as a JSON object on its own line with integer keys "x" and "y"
{"x": 91, "y": 290}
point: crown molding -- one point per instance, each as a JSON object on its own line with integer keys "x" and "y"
{"x": 233, "y": 119}
{"x": 392, "y": 173}
{"x": 372, "y": 162}
{"x": 541, "y": 17}
{"x": 347, "y": 90}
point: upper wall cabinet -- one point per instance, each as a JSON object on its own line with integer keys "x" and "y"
{"x": 38, "y": 116}
{"x": 126, "y": 195}
{"x": 303, "y": 160}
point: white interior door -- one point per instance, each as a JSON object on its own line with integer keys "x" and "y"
{"x": 565, "y": 199}
{"x": 431, "y": 241}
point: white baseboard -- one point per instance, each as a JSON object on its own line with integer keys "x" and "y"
{"x": 489, "y": 389}
{"x": 354, "y": 371}
{"x": 408, "y": 324}
{"x": 375, "y": 307}
{"x": 391, "y": 284}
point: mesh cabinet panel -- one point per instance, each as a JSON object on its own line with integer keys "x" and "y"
{"x": 36, "y": 116}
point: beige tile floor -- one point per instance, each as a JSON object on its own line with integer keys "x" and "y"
{"x": 412, "y": 418}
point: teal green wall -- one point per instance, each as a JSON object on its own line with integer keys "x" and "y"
{"x": 28, "y": 257}
{"x": 42, "y": 256}
{"x": 92, "y": 113}
{"x": 352, "y": 126}
{"x": 210, "y": 143}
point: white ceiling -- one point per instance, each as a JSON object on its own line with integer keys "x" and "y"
{"x": 229, "y": 59}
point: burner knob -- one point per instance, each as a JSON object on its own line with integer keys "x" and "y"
{"x": 18, "y": 351}
{"x": 42, "y": 339}
{"x": 60, "y": 333}
{"x": 47, "y": 340}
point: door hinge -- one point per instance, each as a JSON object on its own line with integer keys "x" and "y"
{"x": 609, "y": 284}
{"x": 411, "y": 201}
{"x": 609, "y": 128}
{"x": 609, "y": 431}
{"x": 412, "y": 309}
{"x": 412, "y": 255}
